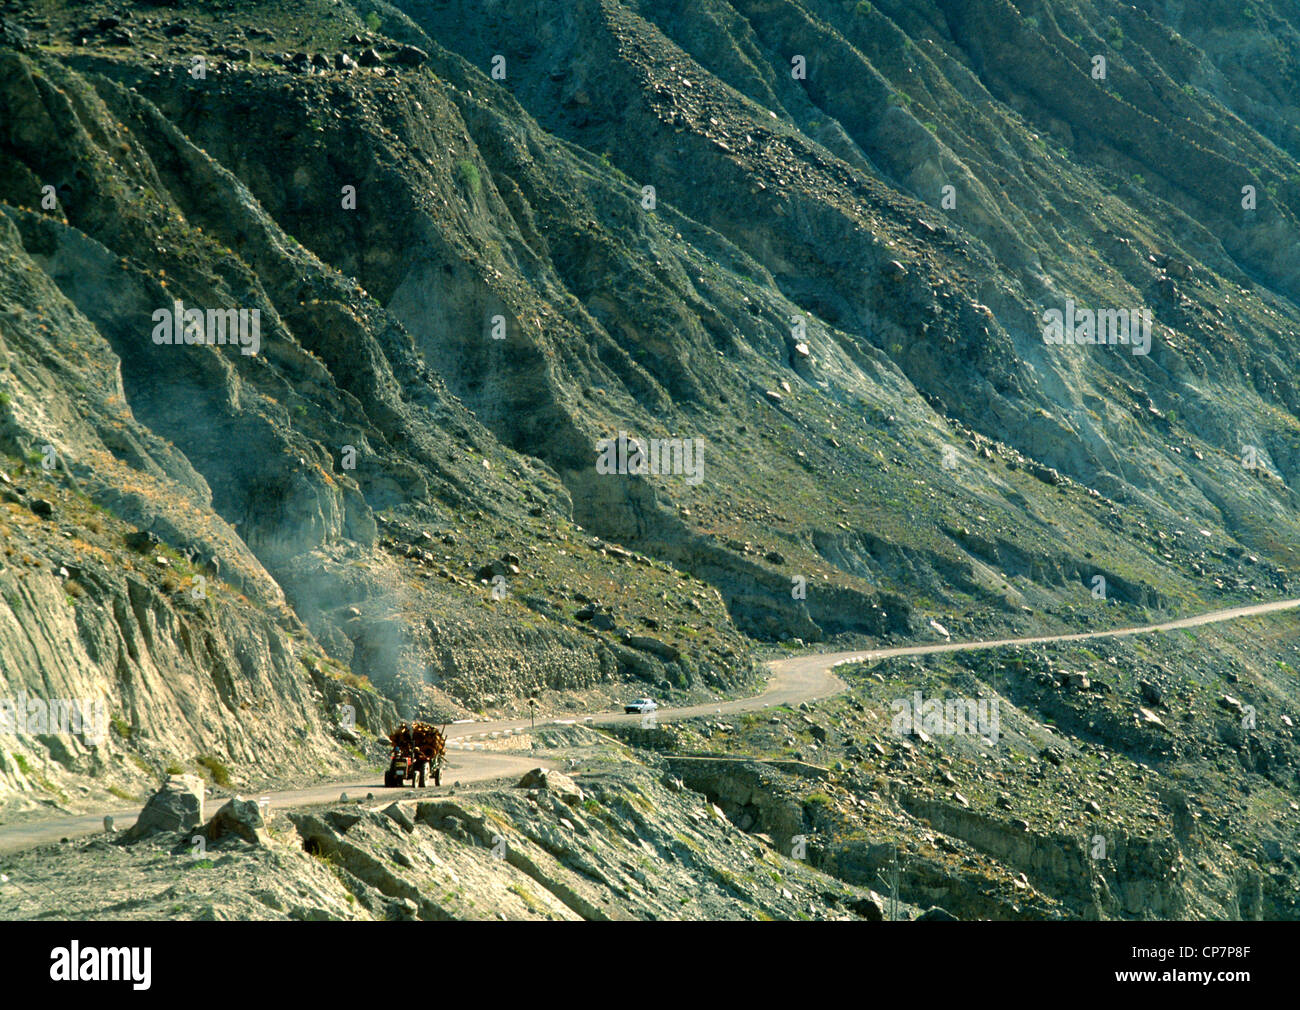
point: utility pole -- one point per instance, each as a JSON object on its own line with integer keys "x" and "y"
{"x": 891, "y": 885}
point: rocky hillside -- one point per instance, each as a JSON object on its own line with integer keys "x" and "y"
{"x": 629, "y": 842}
{"x": 1153, "y": 778}
{"x": 806, "y": 246}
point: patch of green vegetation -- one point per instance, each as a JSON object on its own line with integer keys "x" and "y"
{"x": 372, "y": 21}
{"x": 467, "y": 174}
{"x": 173, "y": 769}
{"x": 214, "y": 767}
{"x": 120, "y": 726}
{"x": 23, "y": 766}
{"x": 50, "y": 787}
{"x": 528, "y": 898}
{"x": 120, "y": 793}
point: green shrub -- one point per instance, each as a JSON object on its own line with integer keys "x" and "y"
{"x": 219, "y": 772}
{"x": 467, "y": 175}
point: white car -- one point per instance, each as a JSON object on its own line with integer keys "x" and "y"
{"x": 640, "y": 707}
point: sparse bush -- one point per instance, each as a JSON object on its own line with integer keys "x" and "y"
{"x": 467, "y": 175}
{"x": 214, "y": 767}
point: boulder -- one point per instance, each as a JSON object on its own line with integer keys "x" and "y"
{"x": 342, "y": 820}
{"x": 936, "y": 914}
{"x": 867, "y": 908}
{"x": 666, "y": 652}
{"x": 410, "y": 56}
{"x": 240, "y": 818}
{"x": 177, "y": 806}
{"x": 557, "y": 782}
{"x": 400, "y": 816}
{"x": 141, "y": 541}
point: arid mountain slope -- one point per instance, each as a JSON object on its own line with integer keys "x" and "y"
{"x": 813, "y": 242}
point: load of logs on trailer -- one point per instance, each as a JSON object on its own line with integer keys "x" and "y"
{"x": 416, "y": 748}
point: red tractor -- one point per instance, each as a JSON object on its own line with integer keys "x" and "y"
{"x": 416, "y": 748}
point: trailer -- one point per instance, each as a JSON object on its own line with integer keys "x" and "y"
{"x": 418, "y": 749}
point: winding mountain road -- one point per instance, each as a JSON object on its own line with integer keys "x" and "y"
{"x": 795, "y": 679}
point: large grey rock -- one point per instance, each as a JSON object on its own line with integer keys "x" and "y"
{"x": 177, "y": 806}
{"x": 557, "y": 782}
{"x": 239, "y": 818}
{"x": 410, "y": 56}
{"x": 400, "y": 816}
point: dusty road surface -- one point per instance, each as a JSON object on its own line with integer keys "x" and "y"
{"x": 462, "y": 767}
{"x": 793, "y": 680}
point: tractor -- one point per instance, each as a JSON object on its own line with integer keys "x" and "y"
{"x": 417, "y": 748}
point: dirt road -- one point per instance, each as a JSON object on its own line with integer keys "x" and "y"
{"x": 793, "y": 680}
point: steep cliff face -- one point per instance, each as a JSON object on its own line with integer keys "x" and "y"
{"x": 801, "y": 249}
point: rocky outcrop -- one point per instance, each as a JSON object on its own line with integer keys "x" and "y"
{"x": 177, "y": 806}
